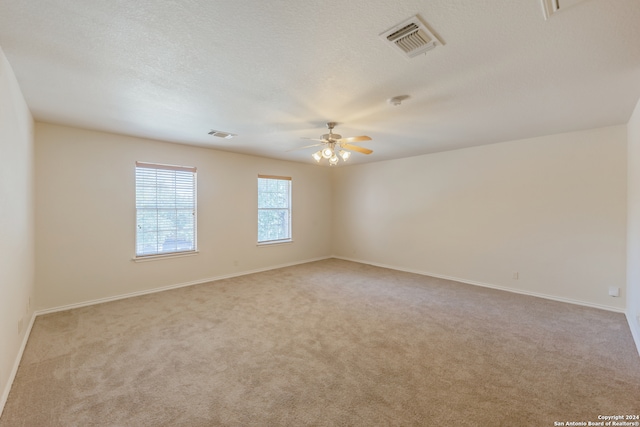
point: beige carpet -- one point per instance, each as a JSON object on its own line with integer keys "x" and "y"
{"x": 330, "y": 343}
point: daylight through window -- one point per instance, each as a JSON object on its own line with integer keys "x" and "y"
{"x": 165, "y": 209}
{"x": 274, "y": 209}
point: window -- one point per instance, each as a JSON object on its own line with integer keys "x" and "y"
{"x": 274, "y": 209}
{"x": 165, "y": 209}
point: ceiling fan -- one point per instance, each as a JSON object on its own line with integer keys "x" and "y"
{"x": 335, "y": 145}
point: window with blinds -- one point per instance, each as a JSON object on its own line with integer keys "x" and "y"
{"x": 165, "y": 209}
{"x": 274, "y": 209}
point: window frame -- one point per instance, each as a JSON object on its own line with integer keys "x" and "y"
{"x": 191, "y": 207}
{"x": 289, "y": 237}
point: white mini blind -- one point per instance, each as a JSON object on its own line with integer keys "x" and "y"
{"x": 274, "y": 208}
{"x": 165, "y": 209}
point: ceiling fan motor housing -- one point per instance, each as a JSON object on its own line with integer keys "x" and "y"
{"x": 331, "y": 136}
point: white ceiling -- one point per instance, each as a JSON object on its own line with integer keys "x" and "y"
{"x": 275, "y": 71}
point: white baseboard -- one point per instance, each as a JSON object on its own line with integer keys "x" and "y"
{"x": 166, "y": 288}
{"x": 634, "y": 325}
{"x": 16, "y": 364}
{"x": 488, "y": 285}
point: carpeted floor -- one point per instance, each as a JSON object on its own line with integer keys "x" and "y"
{"x": 329, "y": 343}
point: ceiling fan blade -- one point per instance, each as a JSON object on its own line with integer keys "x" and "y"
{"x": 302, "y": 148}
{"x": 355, "y": 139}
{"x": 313, "y": 139}
{"x": 356, "y": 148}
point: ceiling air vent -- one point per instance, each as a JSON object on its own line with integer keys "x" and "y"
{"x": 411, "y": 37}
{"x": 221, "y": 134}
{"x": 551, "y": 7}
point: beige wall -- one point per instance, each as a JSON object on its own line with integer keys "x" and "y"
{"x": 85, "y": 219}
{"x": 552, "y": 209}
{"x": 16, "y": 222}
{"x": 633, "y": 225}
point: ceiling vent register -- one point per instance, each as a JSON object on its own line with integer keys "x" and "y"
{"x": 411, "y": 37}
{"x": 551, "y": 7}
{"x": 221, "y": 134}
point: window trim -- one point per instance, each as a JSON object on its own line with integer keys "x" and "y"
{"x": 145, "y": 258}
{"x": 181, "y": 253}
{"x": 290, "y": 210}
{"x": 274, "y": 242}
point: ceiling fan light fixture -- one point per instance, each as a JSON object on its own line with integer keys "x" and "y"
{"x": 333, "y": 147}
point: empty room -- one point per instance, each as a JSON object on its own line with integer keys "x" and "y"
{"x": 360, "y": 213}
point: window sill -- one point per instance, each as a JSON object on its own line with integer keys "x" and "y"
{"x": 163, "y": 256}
{"x": 274, "y": 243}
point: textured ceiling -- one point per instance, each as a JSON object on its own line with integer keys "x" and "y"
{"x": 273, "y": 72}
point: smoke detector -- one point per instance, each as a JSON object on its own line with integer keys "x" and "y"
{"x": 221, "y": 134}
{"x": 411, "y": 37}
